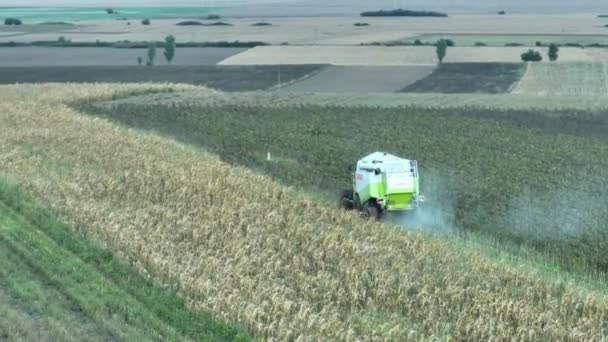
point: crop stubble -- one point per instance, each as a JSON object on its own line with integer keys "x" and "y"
{"x": 565, "y": 79}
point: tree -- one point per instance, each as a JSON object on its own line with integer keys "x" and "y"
{"x": 531, "y": 56}
{"x": 553, "y": 52}
{"x": 151, "y": 54}
{"x": 12, "y": 21}
{"x": 169, "y": 48}
{"x": 145, "y": 21}
{"x": 441, "y": 48}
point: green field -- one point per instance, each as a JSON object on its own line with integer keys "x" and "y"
{"x": 533, "y": 177}
{"x": 57, "y": 286}
{"x": 504, "y": 39}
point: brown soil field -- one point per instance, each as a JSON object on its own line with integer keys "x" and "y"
{"x": 467, "y": 78}
{"x": 361, "y": 79}
{"x": 81, "y": 56}
{"x": 228, "y": 78}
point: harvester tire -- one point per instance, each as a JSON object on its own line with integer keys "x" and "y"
{"x": 371, "y": 211}
{"x": 346, "y": 200}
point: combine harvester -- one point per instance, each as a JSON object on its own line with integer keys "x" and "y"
{"x": 383, "y": 183}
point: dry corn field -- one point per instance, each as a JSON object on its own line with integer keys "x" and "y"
{"x": 255, "y": 253}
{"x": 284, "y": 98}
{"x": 569, "y": 79}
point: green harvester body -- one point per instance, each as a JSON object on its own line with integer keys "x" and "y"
{"x": 383, "y": 182}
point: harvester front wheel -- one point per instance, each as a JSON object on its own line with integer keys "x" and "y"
{"x": 371, "y": 211}
{"x": 346, "y": 200}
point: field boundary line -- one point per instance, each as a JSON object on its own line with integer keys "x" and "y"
{"x": 605, "y": 74}
{"x": 294, "y": 81}
{"x": 513, "y": 89}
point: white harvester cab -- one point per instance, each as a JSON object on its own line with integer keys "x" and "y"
{"x": 383, "y": 182}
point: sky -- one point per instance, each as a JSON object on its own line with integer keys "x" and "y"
{"x": 312, "y": 7}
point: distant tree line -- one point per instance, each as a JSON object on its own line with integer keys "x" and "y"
{"x": 12, "y": 21}
{"x": 131, "y": 44}
{"x": 403, "y": 13}
{"x": 198, "y": 23}
{"x": 535, "y": 56}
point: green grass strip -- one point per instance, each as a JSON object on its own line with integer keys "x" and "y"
{"x": 104, "y": 289}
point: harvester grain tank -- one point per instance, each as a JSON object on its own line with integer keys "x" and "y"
{"x": 382, "y": 183}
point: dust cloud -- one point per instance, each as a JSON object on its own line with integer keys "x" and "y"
{"x": 435, "y": 215}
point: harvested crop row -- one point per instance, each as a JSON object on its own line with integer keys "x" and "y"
{"x": 247, "y": 249}
{"x": 569, "y": 79}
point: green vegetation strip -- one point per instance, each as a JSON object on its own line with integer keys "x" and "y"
{"x": 50, "y": 272}
{"x": 533, "y": 178}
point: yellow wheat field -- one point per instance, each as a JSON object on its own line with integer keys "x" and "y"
{"x": 254, "y": 253}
